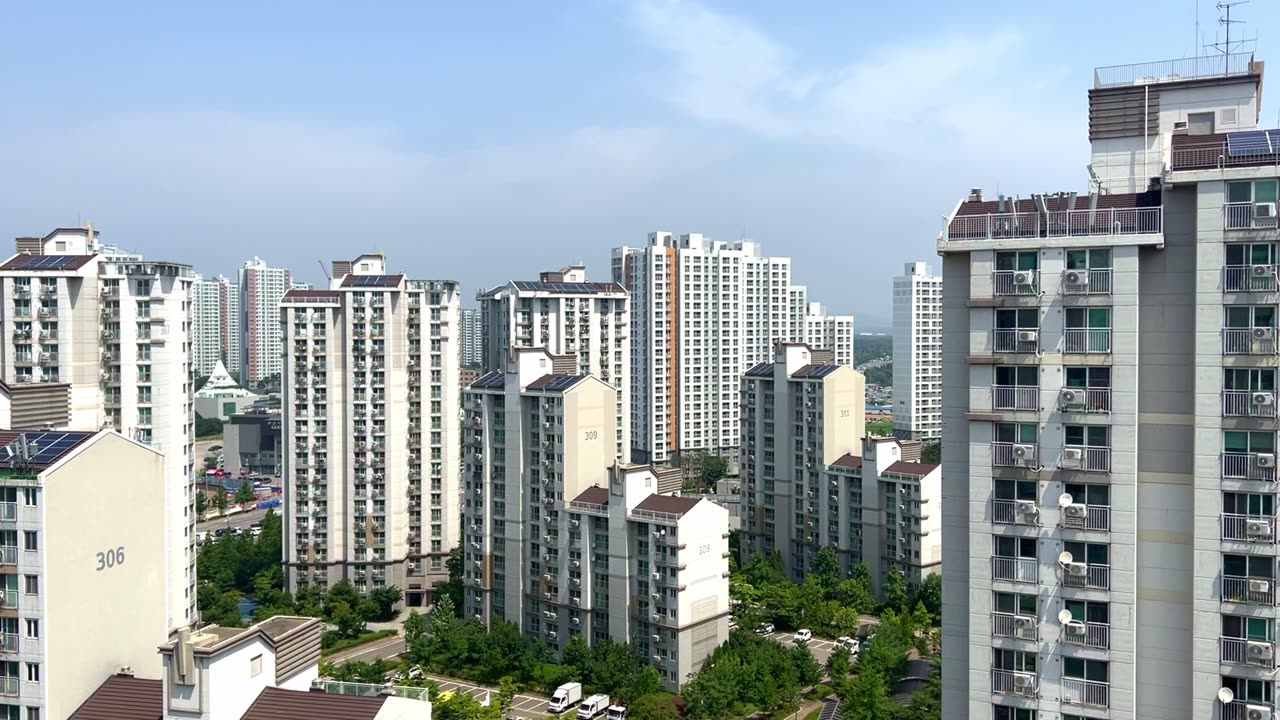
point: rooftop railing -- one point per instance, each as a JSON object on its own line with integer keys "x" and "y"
{"x": 1164, "y": 71}
{"x": 1061, "y": 223}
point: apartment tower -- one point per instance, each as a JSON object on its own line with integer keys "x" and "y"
{"x": 1109, "y": 449}
{"x": 261, "y": 288}
{"x": 586, "y": 325}
{"x": 917, "y": 353}
{"x": 472, "y": 336}
{"x": 215, "y": 328}
{"x": 371, "y": 402}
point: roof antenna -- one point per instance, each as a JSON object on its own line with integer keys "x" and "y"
{"x": 1226, "y": 21}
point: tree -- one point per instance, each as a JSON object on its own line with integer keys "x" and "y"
{"x": 344, "y": 593}
{"x": 415, "y": 629}
{"x": 645, "y": 683}
{"x": 386, "y": 598}
{"x": 838, "y": 665}
{"x": 714, "y": 467}
{"x": 654, "y": 706}
{"x": 932, "y": 453}
{"x": 350, "y": 624}
{"x": 930, "y": 593}
{"x": 208, "y": 427}
{"x": 805, "y": 664}
{"x": 826, "y": 567}
{"x": 895, "y": 590}
{"x": 202, "y": 505}
{"x": 856, "y": 591}
{"x": 220, "y": 502}
{"x": 867, "y": 698}
{"x": 245, "y": 494}
{"x": 442, "y": 616}
{"x": 577, "y": 657}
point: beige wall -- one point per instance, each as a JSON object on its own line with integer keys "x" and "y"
{"x": 844, "y": 405}
{"x": 589, "y": 445}
{"x": 108, "y": 495}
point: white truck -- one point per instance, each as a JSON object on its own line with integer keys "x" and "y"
{"x": 593, "y": 706}
{"x": 565, "y": 697}
{"x": 617, "y": 712}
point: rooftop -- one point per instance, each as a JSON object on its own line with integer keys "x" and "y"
{"x": 372, "y": 281}
{"x": 492, "y": 380}
{"x": 912, "y": 469}
{"x": 1173, "y": 71}
{"x": 668, "y": 504}
{"x": 46, "y": 263}
{"x": 852, "y": 462}
{"x": 1213, "y": 151}
{"x": 212, "y": 638}
{"x": 123, "y": 697}
{"x": 37, "y": 450}
{"x": 562, "y": 288}
{"x": 278, "y": 704}
{"x": 595, "y": 495}
{"x": 763, "y": 369}
{"x": 1059, "y": 215}
{"x": 555, "y": 383}
{"x": 814, "y": 371}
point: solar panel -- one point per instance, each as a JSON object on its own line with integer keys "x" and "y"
{"x": 46, "y": 262}
{"x": 760, "y": 370}
{"x": 43, "y": 448}
{"x": 815, "y": 371}
{"x": 490, "y": 380}
{"x": 1250, "y": 142}
{"x": 560, "y": 382}
{"x": 568, "y": 288}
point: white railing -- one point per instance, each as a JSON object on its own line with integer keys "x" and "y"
{"x": 1242, "y": 651}
{"x": 1061, "y": 223}
{"x": 1086, "y": 340}
{"x": 1193, "y": 68}
{"x": 1091, "y": 400}
{"x": 1249, "y": 341}
{"x": 1092, "y": 459}
{"x": 1006, "y": 625}
{"x": 1252, "y": 591}
{"x": 8, "y": 686}
{"x": 1239, "y": 403}
{"x": 8, "y": 511}
{"x": 1007, "y": 341}
{"x": 1005, "y": 282}
{"x": 1094, "y": 635}
{"x": 1244, "y": 466}
{"x": 1003, "y": 455}
{"x": 1240, "y": 216}
{"x": 1097, "y": 577}
{"x": 1006, "y": 512}
{"x": 1023, "y": 570}
{"x": 1096, "y": 517}
{"x": 1099, "y": 283}
{"x": 1015, "y": 397}
{"x": 1089, "y": 693}
{"x": 1249, "y": 278}
{"x": 1239, "y": 709}
{"x": 1005, "y": 682}
{"x": 1249, "y": 528}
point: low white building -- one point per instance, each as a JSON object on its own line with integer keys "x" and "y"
{"x": 221, "y": 396}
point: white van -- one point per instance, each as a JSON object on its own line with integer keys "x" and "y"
{"x": 593, "y": 706}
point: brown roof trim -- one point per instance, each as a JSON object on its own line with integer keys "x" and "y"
{"x": 310, "y": 294}
{"x": 914, "y": 469}
{"x": 277, "y": 704}
{"x": 672, "y": 504}
{"x": 595, "y": 495}
{"x": 850, "y": 461}
{"x": 123, "y": 697}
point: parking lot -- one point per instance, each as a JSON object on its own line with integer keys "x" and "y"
{"x": 820, "y": 648}
{"x": 524, "y": 706}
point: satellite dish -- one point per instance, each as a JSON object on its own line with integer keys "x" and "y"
{"x": 1065, "y": 499}
{"x": 1225, "y": 695}
{"x": 1064, "y": 616}
{"x": 1064, "y": 558}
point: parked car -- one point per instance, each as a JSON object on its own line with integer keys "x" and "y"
{"x": 764, "y": 629}
{"x": 845, "y": 642}
{"x": 803, "y": 635}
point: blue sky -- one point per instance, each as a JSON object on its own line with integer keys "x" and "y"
{"x": 485, "y": 141}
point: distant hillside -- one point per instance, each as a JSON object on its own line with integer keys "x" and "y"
{"x": 867, "y": 348}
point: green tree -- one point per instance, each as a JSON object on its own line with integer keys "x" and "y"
{"x": 930, "y": 593}
{"x": 895, "y": 590}
{"x": 856, "y": 591}
{"x": 208, "y": 427}
{"x": 654, "y": 706}
{"x": 714, "y": 467}
{"x": 826, "y": 568}
{"x": 931, "y": 453}
{"x": 415, "y": 629}
{"x": 367, "y": 609}
{"x": 867, "y": 698}
{"x": 838, "y": 665}
{"x": 202, "y": 505}
{"x": 805, "y": 664}
{"x": 245, "y": 494}
{"x": 577, "y": 657}
{"x": 643, "y": 684}
{"x": 343, "y": 593}
{"x": 349, "y": 623}
{"x": 386, "y": 598}
{"x": 220, "y": 502}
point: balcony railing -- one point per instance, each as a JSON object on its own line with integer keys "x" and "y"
{"x": 1094, "y": 635}
{"x": 1015, "y": 455}
{"x": 1249, "y": 403}
{"x": 1248, "y": 466}
{"x": 1249, "y": 590}
{"x": 1014, "y": 626}
{"x": 1249, "y": 528}
{"x": 1008, "y": 682}
{"x": 1087, "y": 282}
{"x": 1249, "y": 278}
{"x": 1013, "y": 397}
{"x": 1022, "y": 570}
{"x": 1241, "y": 651}
{"x": 1095, "y": 577}
{"x": 1015, "y": 341}
{"x": 1249, "y": 341}
{"x": 1085, "y": 400}
{"x": 1087, "y": 517}
{"x": 9, "y": 686}
{"x": 1087, "y": 459}
{"x": 1241, "y": 216}
{"x": 1088, "y": 693}
{"x": 1016, "y": 282}
{"x": 1241, "y": 709}
{"x": 1064, "y": 223}
{"x": 1015, "y": 512}
{"x": 1086, "y": 340}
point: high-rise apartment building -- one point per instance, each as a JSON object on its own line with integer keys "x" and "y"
{"x": 371, "y": 402}
{"x": 471, "y": 336}
{"x": 215, "y": 324}
{"x": 798, "y": 416}
{"x": 97, "y": 338}
{"x": 562, "y": 541}
{"x": 1109, "y": 447}
{"x": 585, "y": 325}
{"x": 829, "y": 332}
{"x": 917, "y": 353}
{"x": 261, "y": 288}
{"x": 702, "y": 312}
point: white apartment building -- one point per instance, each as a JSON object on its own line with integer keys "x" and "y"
{"x": 702, "y": 312}
{"x": 1109, "y": 439}
{"x": 799, "y": 415}
{"x": 96, "y": 338}
{"x": 371, "y": 406}
{"x": 917, "y": 353}
{"x": 561, "y": 543}
{"x": 261, "y": 288}
{"x": 64, "y": 571}
{"x": 471, "y": 323}
{"x": 586, "y": 325}
{"x": 829, "y": 332}
{"x": 215, "y": 328}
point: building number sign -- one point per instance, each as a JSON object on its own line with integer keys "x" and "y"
{"x": 110, "y": 558}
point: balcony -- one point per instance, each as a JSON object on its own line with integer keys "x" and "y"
{"x": 1249, "y": 528}
{"x": 1008, "y": 682}
{"x": 1244, "y": 216}
{"x": 1241, "y": 651}
{"x": 1094, "y": 635}
{"x": 1249, "y": 466}
{"x": 1244, "y": 710}
{"x": 1015, "y": 512}
{"x": 1086, "y": 340}
{"x": 1087, "y": 693}
{"x": 1248, "y": 403}
{"x": 1006, "y": 340}
{"x": 1085, "y": 459}
{"x": 1021, "y": 570}
{"x": 1015, "y": 282}
{"x": 1248, "y": 341}
{"x": 1015, "y": 455}
{"x": 1078, "y": 516}
{"x": 1249, "y": 590}
{"x": 9, "y": 555}
{"x": 1086, "y": 282}
{"x": 1249, "y": 278}
{"x": 1020, "y": 627}
{"x": 1062, "y": 223}
{"x": 9, "y": 686}
{"x": 1092, "y": 400}
{"x": 1087, "y": 575}
{"x": 1012, "y": 397}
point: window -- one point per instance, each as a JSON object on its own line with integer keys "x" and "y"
{"x": 1088, "y": 611}
{"x": 1015, "y": 604}
{"x": 1086, "y": 436}
{"x": 1000, "y": 712}
{"x": 1080, "y": 669}
{"x": 1251, "y": 504}
{"x": 1089, "y": 553}
{"x": 1247, "y": 628}
{"x": 31, "y": 584}
{"x": 1090, "y": 494}
{"x": 1250, "y": 690}
{"x": 33, "y": 713}
{"x": 1099, "y": 259}
{"x": 1021, "y": 376}
{"x": 1018, "y": 319}
{"x": 33, "y": 628}
{"x": 29, "y": 496}
{"x": 1013, "y": 547}
{"x": 1249, "y": 379}
{"x": 1251, "y": 566}
{"x": 1241, "y": 254}
{"x": 29, "y": 542}
{"x": 1022, "y": 433}
{"x": 1016, "y": 489}
{"x": 1022, "y": 260}
{"x": 1250, "y": 316}
{"x": 1013, "y": 660}
{"x": 33, "y": 672}
{"x": 255, "y": 666}
{"x": 1088, "y": 330}
{"x": 1257, "y": 191}
{"x": 1242, "y": 441}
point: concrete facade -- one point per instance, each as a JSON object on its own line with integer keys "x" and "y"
{"x": 917, "y": 353}
{"x": 261, "y": 287}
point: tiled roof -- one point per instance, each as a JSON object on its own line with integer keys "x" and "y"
{"x": 913, "y": 469}
{"x": 123, "y": 697}
{"x": 852, "y": 462}
{"x": 595, "y": 495}
{"x": 277, "y": 704}
{"x": 672, "y": 504}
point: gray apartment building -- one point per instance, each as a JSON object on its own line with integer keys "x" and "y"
{"x": 1109, "y": 423}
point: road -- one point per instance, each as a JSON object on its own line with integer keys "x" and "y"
{"x": 820, "y": 648}
{"x": 239, "y": 520}
{"x": 381, "y": 649}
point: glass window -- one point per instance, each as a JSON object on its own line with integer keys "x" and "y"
{"x": 1015, "y": 547}
{"x": 1091, "y": 553}
{"x": 1025, "y": 376}
{"x": 1094, "y": 670}
{"x": 1089, "y": 493}
{"x": 1017, "y": 433}
{"x": 1248, "y": 379}
{"x": 1023, "y": 318}
{"x": 1093, "y": 318}
{"x": 1015, "y": 603}
{"x": 1086, "y": 435}
{"x": 1248, "y": 566}
{"x": 1264, "y": 191}
{"x": 1241, "y": 441}
{"x": 1098, "y": 259}
{"x": 1240, "y": 192}
{"x": 1252, "y": 504}
{"x": 1016, "y": 489}
{"x": 1251, "y": 254}
{"x": 1024, "y": 260}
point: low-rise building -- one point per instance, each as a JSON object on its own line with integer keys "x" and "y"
{"x": 252, "y": 442}
{"x": 221, "y": 396}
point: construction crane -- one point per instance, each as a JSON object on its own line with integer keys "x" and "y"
{"x": 325, "y": 270}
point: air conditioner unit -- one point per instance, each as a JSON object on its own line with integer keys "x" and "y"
{"x": 1264, "y": 210}
{"x": 1024, "y": 622}
{"x": 656, "y": 617}
{"x": 656, "y": 576}
{"x": 576, "y": 564}
{"x": 1263, "y": 333}
{"x": 1078, "y": 569}
{"x": 1027, "y": 508}
{"x": 546, "y": 596}
{"x": 1260, "y": 651}
{"x": 1265, "y": 460}
{"x": 1076, "y": 277}
{"x": 1071, "y": 397}
{"x": 1072, "y": 457}
{"x": 1024, "y": 454}
{"x": 547, "y": 577}
{"x": 1075, "y": 627}
{"x": 1259, "y": 586}
{"x": 1258, "y": 529}
{"x": 657, "y": 638}
{"x": 1077, "y": 511}
{"x": 549, "y": 614}
{"x": 575, "y": 621}
{"x": 1024, "y": 277}
{"x": 1263, "y": 398}
{"x": 1261, "y": 270}
{"x": 1257, "y": 712}
{"x": 551, "y": 634}
{"x": 1028, "y": 335}
{"x": 1024, "y": 683}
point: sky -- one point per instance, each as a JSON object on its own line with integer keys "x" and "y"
{"x": 486, "y": 141}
